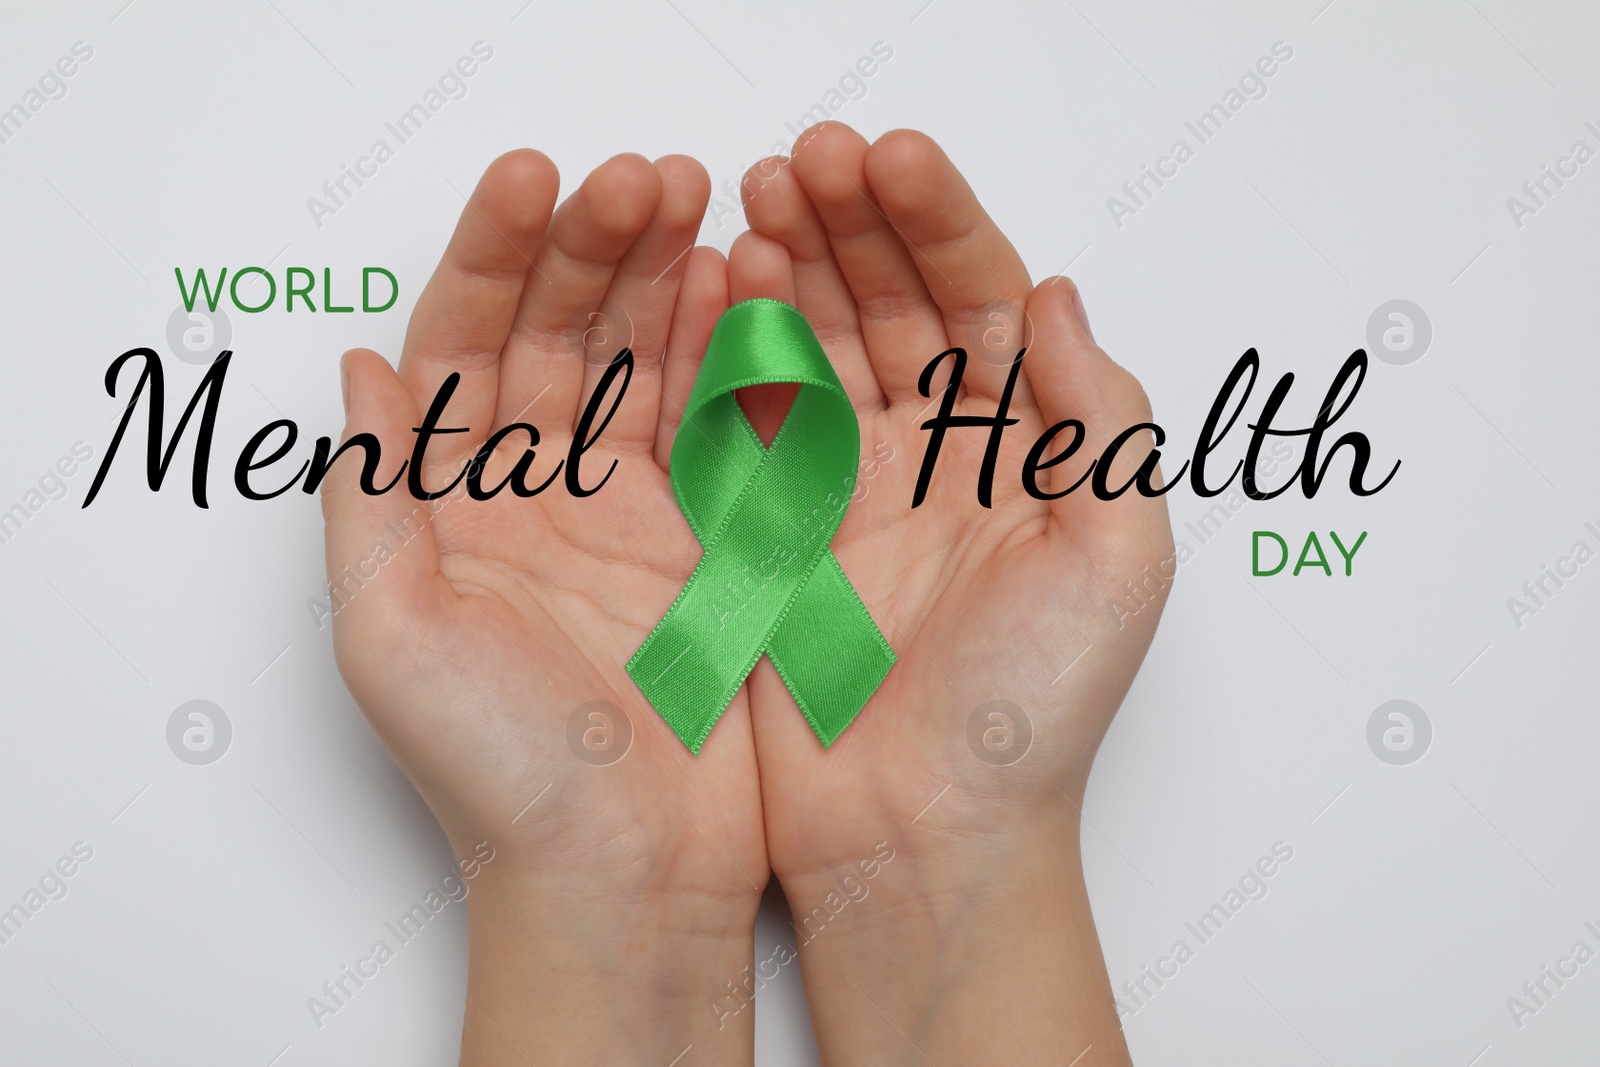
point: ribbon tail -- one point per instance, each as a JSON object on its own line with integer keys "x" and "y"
{"x": 829, "y": 652}
{"x": 687, "y": 688}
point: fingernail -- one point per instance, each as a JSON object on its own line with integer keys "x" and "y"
{"x": 344, "y": 384}
{"x": 1083, "y": 316}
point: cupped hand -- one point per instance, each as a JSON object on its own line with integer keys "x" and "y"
{"x": 491, "y": 624}
{"x": 972, "y": 757}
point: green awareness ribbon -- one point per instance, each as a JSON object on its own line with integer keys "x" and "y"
{"x": 765, "y": 517}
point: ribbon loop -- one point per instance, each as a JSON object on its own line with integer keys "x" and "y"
{"x": 765, "y": 517}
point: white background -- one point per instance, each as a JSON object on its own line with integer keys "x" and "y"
{"x": 1377, "y": 166}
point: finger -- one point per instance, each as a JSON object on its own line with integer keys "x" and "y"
{"x": 899, "y": 321}
{"x": 638, "y": 307}
{"x": 702, "y": 298}
{"x": 971, "y": 270}
{"x": 775, "y": 205}
{"x": 380, "y": 548}
{"x": 759, "y": 267}
{"x": 543, "y": 367}
{"x": 464, "y": 314}
{"x": 1074, "y": 379}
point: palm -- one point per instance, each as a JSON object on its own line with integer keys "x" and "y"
{"x": 980, "y": 604}
{"x": 507, "y": 619}
{"x": 536, "y": 610}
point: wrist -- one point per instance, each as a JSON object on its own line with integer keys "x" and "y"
{"x": 580, "y": 977}
{"x": 920, "y": 890}
{"x": 957, "y": 940}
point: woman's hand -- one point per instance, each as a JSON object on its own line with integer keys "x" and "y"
{"x": 974, "y": 945}
{"x": 623, "y": 891}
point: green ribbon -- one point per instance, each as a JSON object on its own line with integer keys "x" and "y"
{"x": 765, "y": 517}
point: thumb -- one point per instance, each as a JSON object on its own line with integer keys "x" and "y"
{"x": 1074, "y": 379}
{"x": 379, "y": 546}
